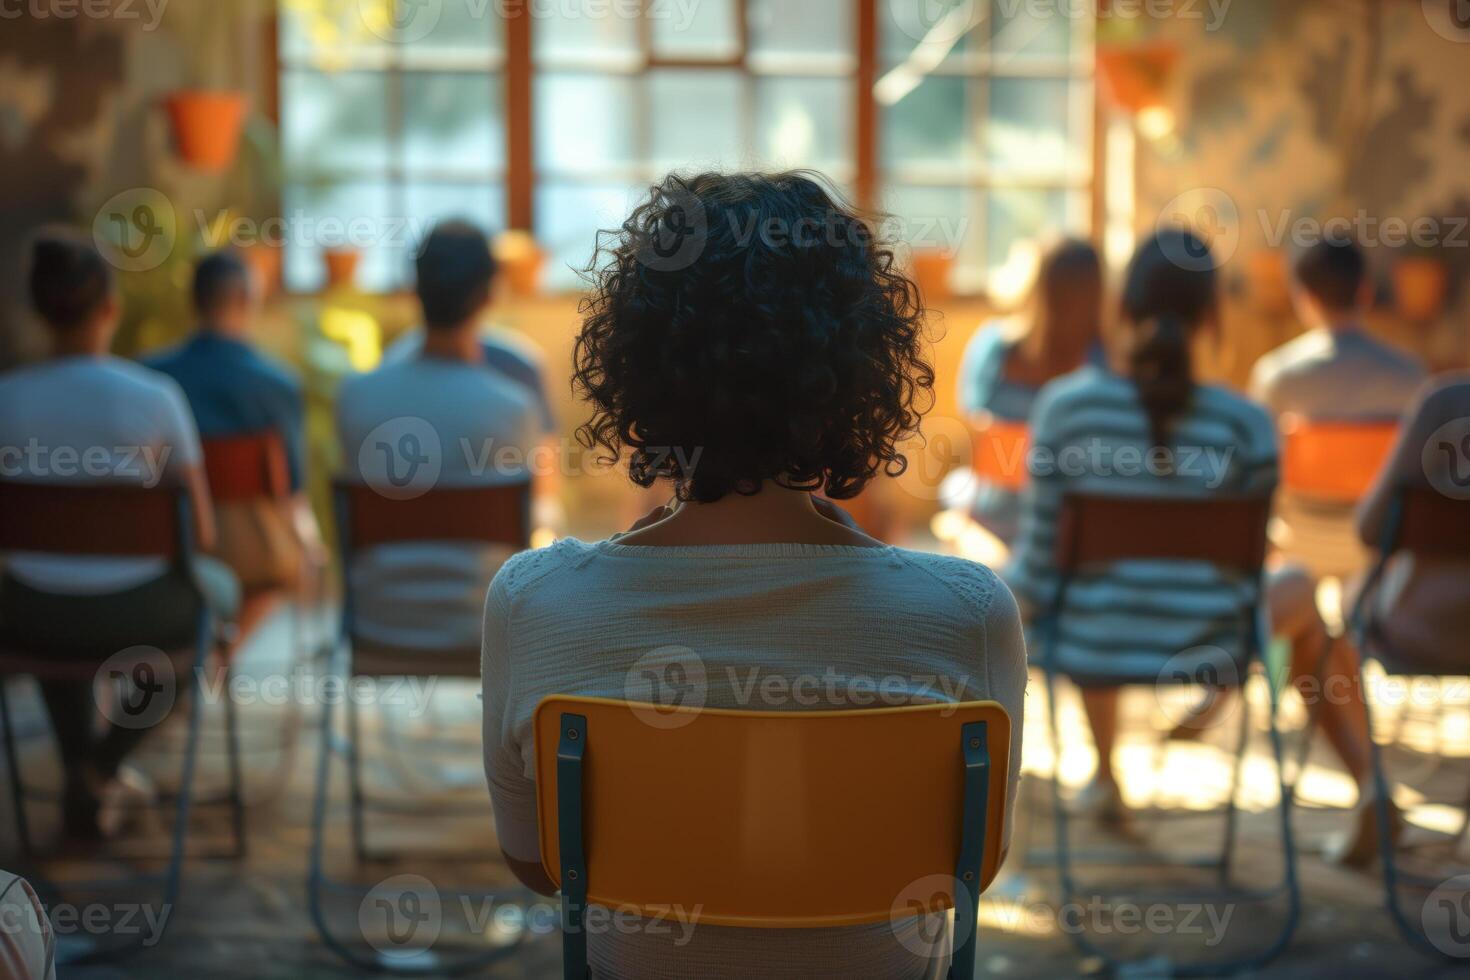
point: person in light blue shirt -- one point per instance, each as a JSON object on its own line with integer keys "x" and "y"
{"x": 1004, "y": 367}
{"x": 1335, "y": 372}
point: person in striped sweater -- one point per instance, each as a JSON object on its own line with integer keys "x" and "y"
{"x": 1152, "y": 430}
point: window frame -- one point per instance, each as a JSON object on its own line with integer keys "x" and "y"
{"x": 516, "y": 66}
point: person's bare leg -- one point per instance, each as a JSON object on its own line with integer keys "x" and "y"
{"x": 1332, "y": 688}
{"x": 1101, "y": 707}
{"x": 1102, "y": 798}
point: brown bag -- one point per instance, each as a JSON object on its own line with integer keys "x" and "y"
{"x": 258, "y": 541}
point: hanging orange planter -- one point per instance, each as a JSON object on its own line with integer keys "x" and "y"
{"x": 207, "y": 127}
{"x": 341, "y": 266}
{"x": 1136, "y": 76}
{"x": 1419, "y": 286}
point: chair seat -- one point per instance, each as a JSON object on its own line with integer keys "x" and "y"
{"x": 372, "y": 659}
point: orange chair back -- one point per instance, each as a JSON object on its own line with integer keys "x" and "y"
{"x": 1335, "y": 462}
{"x": 998, "y": 451}
{"x": 246, "y": 467}
{"x": 772, "y": 819}
{"x": 94, "y": 520}
{"x": 487, "y": 514}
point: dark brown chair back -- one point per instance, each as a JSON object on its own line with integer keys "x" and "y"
{"x": 93, "y": 520}
{"x": 485, "y": 514}
{"x": 1226, "y": 531}
{"x": 1433, "y": 524}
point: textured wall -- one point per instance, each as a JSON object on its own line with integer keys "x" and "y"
{"x": 1320, "y": 108}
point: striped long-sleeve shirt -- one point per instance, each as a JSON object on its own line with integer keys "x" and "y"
{"x": 1089, "y": 434}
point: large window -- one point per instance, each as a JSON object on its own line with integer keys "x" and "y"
{"x": 974, "y": 125}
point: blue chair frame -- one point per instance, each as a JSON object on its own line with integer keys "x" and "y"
{"x": 25, "y": 518}
{"x": 364, "y": 517}
{"x": 1419, "y": 521}
{"x": 1096, "y": 530}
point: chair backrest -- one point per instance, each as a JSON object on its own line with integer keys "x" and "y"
{"x": 1227, "y": 531}
{"x": 246, "y": 467}
{"x": 998, "y": 451}
{"x": 110, "y": 519}
{"x": 1429, "y": 523}
{"x": 487, "y": 514}
{"x": 774, "y": 819}
{"x": 1335, "y": 462}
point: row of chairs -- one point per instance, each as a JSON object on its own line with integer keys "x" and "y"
{"x": 1332, "y": 462}
{"x": 663, "y": 842}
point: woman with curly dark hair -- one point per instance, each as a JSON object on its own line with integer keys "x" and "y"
{"x": 748, "y": 341}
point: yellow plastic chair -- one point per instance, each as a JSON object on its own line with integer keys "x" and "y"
{"x": 768, "y": 819}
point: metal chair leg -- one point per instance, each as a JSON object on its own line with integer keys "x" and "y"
{"x": 354, "y": 771}
{"x": 1386, "y": 849}
{"x": 12, "y": 766}
{"x": 232, "y": 747}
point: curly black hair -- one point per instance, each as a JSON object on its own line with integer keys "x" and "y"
{"x": 749, "y": 327}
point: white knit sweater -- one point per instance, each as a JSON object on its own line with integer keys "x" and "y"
{"x": 837, "y": 623}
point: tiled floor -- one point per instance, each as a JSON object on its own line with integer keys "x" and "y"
{"x": 250, "y": 918}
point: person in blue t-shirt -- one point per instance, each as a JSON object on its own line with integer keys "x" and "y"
{"x": 235, "y": 390}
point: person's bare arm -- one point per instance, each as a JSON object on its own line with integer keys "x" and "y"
{"x": 1404, "y": 466}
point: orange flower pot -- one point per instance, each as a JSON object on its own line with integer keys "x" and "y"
{"x": 265, "y": 264}
{"x": 341, "y": 266}
{"x": 207, "y": 127}
{"x": 931, "y": 271}
{"x": 1136, "y": 76}
{"x": 1269, "y": 282}
{"x": 1420, "y": 284}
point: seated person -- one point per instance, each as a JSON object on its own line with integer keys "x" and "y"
{"x": 1335, "y": 372}
{"x": 455, "y": 416}
{"x": 512, "y": 356}
{"x": 1421, "y": 605}
{"x": 84, "y": 416}
{"x": 235, "y": 390}
{"x": 746, "y": 403}
{"x": 1177, "y": 438}
{"x": 501, "y": 351}
{"x": 1004, "y": 368}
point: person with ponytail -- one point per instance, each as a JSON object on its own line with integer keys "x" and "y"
{"x": 1008, "y": 360}
{"x": 1152, "y": 428}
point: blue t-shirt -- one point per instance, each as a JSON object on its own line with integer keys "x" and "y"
{"x": 235, "y": 390}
